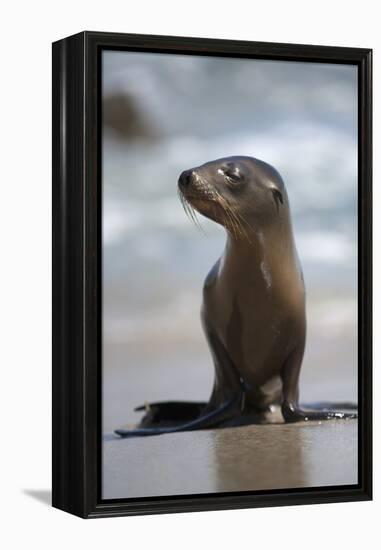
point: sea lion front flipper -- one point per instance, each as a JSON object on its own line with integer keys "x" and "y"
{"x": 227, "y": 380}
{"x": 297, "y": 414}
{"x": 327, "y": 405}
{"x": 224, "y": 405}
{"x": 291, "y": 410}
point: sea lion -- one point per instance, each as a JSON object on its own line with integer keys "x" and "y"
{"x": 253, "y": 311}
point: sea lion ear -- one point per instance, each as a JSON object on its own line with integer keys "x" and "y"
{"x": 278, "y": 197}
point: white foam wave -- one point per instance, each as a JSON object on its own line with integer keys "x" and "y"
{"x": 324, "y": 246}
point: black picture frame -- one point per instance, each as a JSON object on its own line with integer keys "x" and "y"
{"x": 77, "y": 311}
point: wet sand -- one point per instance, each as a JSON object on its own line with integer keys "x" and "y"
{"x": 233, "y": 459}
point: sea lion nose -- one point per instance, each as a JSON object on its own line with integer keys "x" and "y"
{"x": 185, "y": 178}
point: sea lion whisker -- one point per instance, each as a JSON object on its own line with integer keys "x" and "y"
{"x": 225, "y": 207}
{"x": 248, "y": 225}
{"x": 231, "y": 223}
{"x": 190, "y": 211}
{"x": 187, "y": 210}
{"x": 240, "y": 220}
{"x": 237, "y": 221}
{"x": 234, "y": 223}
{"x": 194, "y": 217}
{"x": 183, "y": 204}
{"x": 233, "y": 215}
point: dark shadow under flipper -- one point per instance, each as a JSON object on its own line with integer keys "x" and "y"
{"x": 202, "y": 422}
{"x": 299, "y": 414}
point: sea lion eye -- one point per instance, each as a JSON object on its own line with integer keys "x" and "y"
{"x": 232, "y": 175}
{"x": 278, "y": 197}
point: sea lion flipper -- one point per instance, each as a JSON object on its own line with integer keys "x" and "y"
{"x": 327, "y": 405}
{"x": 297, "y": 414}
{"x": 227, "y": 382}
{"x": 224, "y": 405}
{"x": 291, "y": 410}
{"x": 207, "y": 420}
{"x": 170, "y": 412}
{"x": 172, "y": 406}
{"x": 180, "y": 416}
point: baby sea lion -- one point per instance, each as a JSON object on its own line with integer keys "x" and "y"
{"x": 253, "y": 311}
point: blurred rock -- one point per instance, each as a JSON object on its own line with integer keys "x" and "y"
{"x": 122, "y": 115}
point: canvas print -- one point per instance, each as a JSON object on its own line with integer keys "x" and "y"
{"x": 229, "y": 274}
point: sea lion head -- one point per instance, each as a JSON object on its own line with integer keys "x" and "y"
{"x": 240, "y": 193}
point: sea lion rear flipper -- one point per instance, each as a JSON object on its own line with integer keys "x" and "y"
{"x": 206, "y": 420}
{"x": 170, "y": 412}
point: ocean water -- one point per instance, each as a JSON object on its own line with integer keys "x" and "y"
{"x": 187, "y": 110}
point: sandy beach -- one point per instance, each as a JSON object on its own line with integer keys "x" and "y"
{"x": 234, "y": 459}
